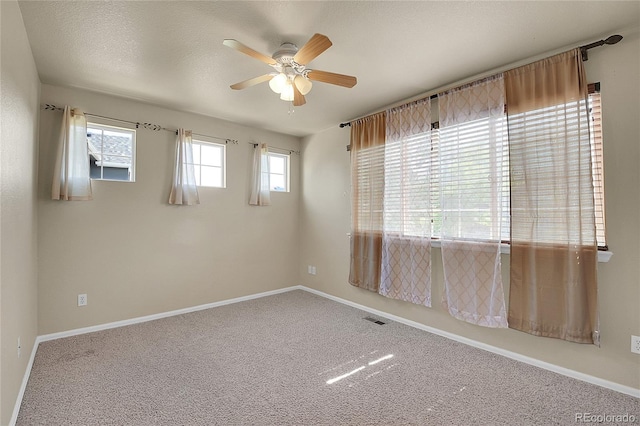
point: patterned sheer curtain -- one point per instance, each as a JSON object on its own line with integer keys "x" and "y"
{"x": 71, "y": 178}
{"x": 367, "y": 191}
{"x": 260, "y": 187}
{"x": 474, "y": 198}
{"x": 406, "y": 236}
{"x": 183, "y": 188}
{"x": 553, "y": 234}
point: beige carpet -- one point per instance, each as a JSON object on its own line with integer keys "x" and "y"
{"x": 268, "y": 361}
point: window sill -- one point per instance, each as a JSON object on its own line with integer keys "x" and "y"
{"x": 603, "y": 256}
{"x": 112, "y": 180}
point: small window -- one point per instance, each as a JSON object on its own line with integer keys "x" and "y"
{"x": 209, "y": 164}
{"x": 111, "y": 152}
{"x": 279, "y": 172}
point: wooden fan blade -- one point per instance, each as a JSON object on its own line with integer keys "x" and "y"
{"x": 251, "y": 82}
{"x": 332, "y": 78}
{"x": 235, "y": 44}
{"x": 298, "y": 98}
{"x": 314, "y": 47}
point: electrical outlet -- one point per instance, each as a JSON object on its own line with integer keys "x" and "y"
{"x": 635, "y": 344}
{"x": 82, "y": 300}
{"x": 19, "y": 347}
{"x": 313, "y": 270}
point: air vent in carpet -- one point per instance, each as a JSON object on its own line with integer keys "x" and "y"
{"x": 376, "y": 321}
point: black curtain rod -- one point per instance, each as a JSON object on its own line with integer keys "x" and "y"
{"x": 583, "y": 50}
{"x": 609, "y": 40}
{"x": 290, "y": 151}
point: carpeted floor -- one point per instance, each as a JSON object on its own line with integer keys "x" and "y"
{"x": 283, "y": 360}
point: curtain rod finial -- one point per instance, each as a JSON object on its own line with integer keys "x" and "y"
{"x": 613, "y": 39}
{"x": 609, "y": 40}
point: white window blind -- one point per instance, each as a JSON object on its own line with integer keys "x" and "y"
{"x": 471, "y": 169}
{"x": 368, "y": 164}
{"x": 474, "y": 179}
{"x": 407, "y": 201}
{"x": 549, "y": 206}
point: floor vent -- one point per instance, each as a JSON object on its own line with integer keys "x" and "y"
{"x": 376, "y": 321}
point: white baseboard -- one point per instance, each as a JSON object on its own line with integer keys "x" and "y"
{"x": 494, "y": 349}
{"x": 23, "y": 385}
{"x": 513, "y": 355}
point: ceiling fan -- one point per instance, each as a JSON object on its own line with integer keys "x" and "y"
{"x": 292, "y": 79}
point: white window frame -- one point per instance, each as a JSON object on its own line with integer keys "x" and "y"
{"x": 106, "y": 127}
{"x": 223, "y": 167}
{"x": 287, "y": 171}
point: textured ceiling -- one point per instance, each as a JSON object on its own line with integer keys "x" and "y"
{"x": 171, "y": 53}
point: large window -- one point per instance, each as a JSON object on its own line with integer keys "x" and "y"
{"x": 475, "y": 170}
{"x": 279, "y": 172}
{"x": 209, "y": 164}
{"x": 111, "y": 152}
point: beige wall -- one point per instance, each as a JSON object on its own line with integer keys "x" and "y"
{"x": 325, "y": 219}
{"x": 18, "y": 152}
{"x": 135, "y": 255}
{"x": 131, "y": 252}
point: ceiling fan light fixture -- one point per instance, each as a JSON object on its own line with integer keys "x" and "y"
{"x": 278, "y": 83}
{"x": 287, "y": 92}
{"x": 303, "y": 84}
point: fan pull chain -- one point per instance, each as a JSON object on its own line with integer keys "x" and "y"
{"x": 291, "y": 109}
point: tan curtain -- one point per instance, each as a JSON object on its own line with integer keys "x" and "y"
{"x": 553, "y": 244}
{"x": 367, "y": 189}
{"x": 71, "y": 175}
{"x": 183, "y": 187}
{"x": 406, "y": 240}
{"x": 474, "y": 200}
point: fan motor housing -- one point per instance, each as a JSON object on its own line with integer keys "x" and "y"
{"x": 285, "y": 54}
